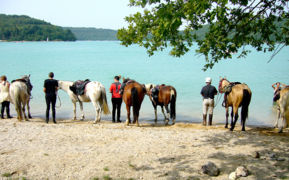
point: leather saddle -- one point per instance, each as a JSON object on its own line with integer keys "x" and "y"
{"x": 78, "y": 87}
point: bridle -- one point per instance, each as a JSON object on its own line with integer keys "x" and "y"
{"x": 220, "y": 88}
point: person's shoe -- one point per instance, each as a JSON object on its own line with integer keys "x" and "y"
{"x": 54, "y": 122}
{"x": 119, "y": 121}
{"x": 9, "y": 117}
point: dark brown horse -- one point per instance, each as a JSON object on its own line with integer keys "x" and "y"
{"x": 163, "y": 96}
{"x": 133, "y": 95}
{"x": 236, "y": 95}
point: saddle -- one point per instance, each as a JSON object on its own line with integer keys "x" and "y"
{"x": 155, "y": 92}
{"x": 227, "y": 90}
{"x": 128, "y": 81}
{"x": 78, "y": 87}
{"x": 26, "y": 82}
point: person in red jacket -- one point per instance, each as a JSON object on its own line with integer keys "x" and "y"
{"x": 116, "y": 98}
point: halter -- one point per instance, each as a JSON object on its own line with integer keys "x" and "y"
{"x": 220, "y": 85}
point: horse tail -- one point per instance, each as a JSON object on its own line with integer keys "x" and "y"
{"x": 135, "y": 100}
{"x": 105, "y": 107}
{"x": 245, "y": 104}
{"x": 173, "y": 103}
{"x": 16, "y": 99}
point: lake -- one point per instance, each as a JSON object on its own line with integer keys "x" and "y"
{"x": 102, "y": 60}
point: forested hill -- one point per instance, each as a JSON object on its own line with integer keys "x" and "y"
{"x": 25, "y": 28}
{"x": 93, "y": 34}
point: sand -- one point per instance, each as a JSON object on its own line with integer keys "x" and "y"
{"x": 83, "y": 150}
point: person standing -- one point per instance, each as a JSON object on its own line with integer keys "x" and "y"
{"x": 116, "y": 98}
{"x": 50, "y": 90}
{"x": 4, "y": 97}
{"x": 208, "y": 92}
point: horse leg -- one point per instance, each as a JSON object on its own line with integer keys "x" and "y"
{"x": 28, "y": 109}
{"x": 168, "y": 113}
{"x": 128, "y": 115}
{"x": 233, "y": 123}
{"x": 74, "y": 110}
{"x": 156, "y": 114}
{"x": 278, "y": 117}
{"x": 97, "y": 112}
{"x": 81, "y": 109}
{"x": 24, "y": 113}
{"x": 227, "y": 115}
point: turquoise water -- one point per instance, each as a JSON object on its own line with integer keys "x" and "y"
{"x": 101, "y": 61}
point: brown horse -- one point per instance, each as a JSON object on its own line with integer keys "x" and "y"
{"x": 133, "y": 95}
{"x": 236, "y": 95}
{"x": 163, "y": 96}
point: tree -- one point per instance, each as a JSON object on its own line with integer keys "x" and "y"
{"x": 232, "y": 24}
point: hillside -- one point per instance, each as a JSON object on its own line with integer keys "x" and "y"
{"x": 93, "y": 34}
{"x": 25, "y": 28}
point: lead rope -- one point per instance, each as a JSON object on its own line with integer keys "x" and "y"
{"x": 219, "y": 97}
{"x": 59, "y": 101}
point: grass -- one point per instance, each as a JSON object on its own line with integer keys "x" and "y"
{"x": 106, "y": 177}
{"x": 7, "y": 175}
{"x": 105, "y": 169}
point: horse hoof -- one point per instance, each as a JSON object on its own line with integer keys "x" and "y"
{"x": 231, "y": 129}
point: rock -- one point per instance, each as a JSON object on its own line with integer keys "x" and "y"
{"x": 232, "y": 176}
{"x": 280, "y": 159}
{"x": 241, "y": 171}
{"x": 273, "y": 156}
{"x": 256, "y": 154}
{"x": 211, "y": 169}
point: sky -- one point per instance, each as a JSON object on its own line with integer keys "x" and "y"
{"x": 107, "y": 14}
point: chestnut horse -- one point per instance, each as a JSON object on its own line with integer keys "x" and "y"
{"x": 163, "y": 96}
{"x": 236, "y": 95}
{"x": 133, "y": 95}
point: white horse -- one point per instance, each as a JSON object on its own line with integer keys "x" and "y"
{"x": 94, "y": 92}
{"x": 283, "y": 110}
{"x": 20, "y": 97}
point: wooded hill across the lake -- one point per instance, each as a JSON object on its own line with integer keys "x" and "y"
{"x": 25, "y": 28}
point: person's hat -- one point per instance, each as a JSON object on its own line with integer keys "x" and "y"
{"x": 208, "y": 80}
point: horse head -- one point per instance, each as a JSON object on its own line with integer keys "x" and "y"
{"x": 26, "y": 78}
{"x": 148, "y": 88}
{"x": 222, "y": 83}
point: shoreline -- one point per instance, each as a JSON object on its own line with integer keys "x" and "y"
{"x": 83, "y": 150}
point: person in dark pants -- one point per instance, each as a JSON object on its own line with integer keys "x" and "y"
{"x": 50, "y": 90}
{"x": 116, "y": 98}
{"x": 208, "y": 92}
{"x": 4, "y": 97}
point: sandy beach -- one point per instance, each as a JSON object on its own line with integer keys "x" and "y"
{"x": 83, "y": 150}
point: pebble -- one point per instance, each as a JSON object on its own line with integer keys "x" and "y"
{"x": 256, "y": 154}
{"x": 210, "y": 169}
{"x": 232, "y": 176}
{"x": 241, "y": 171}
